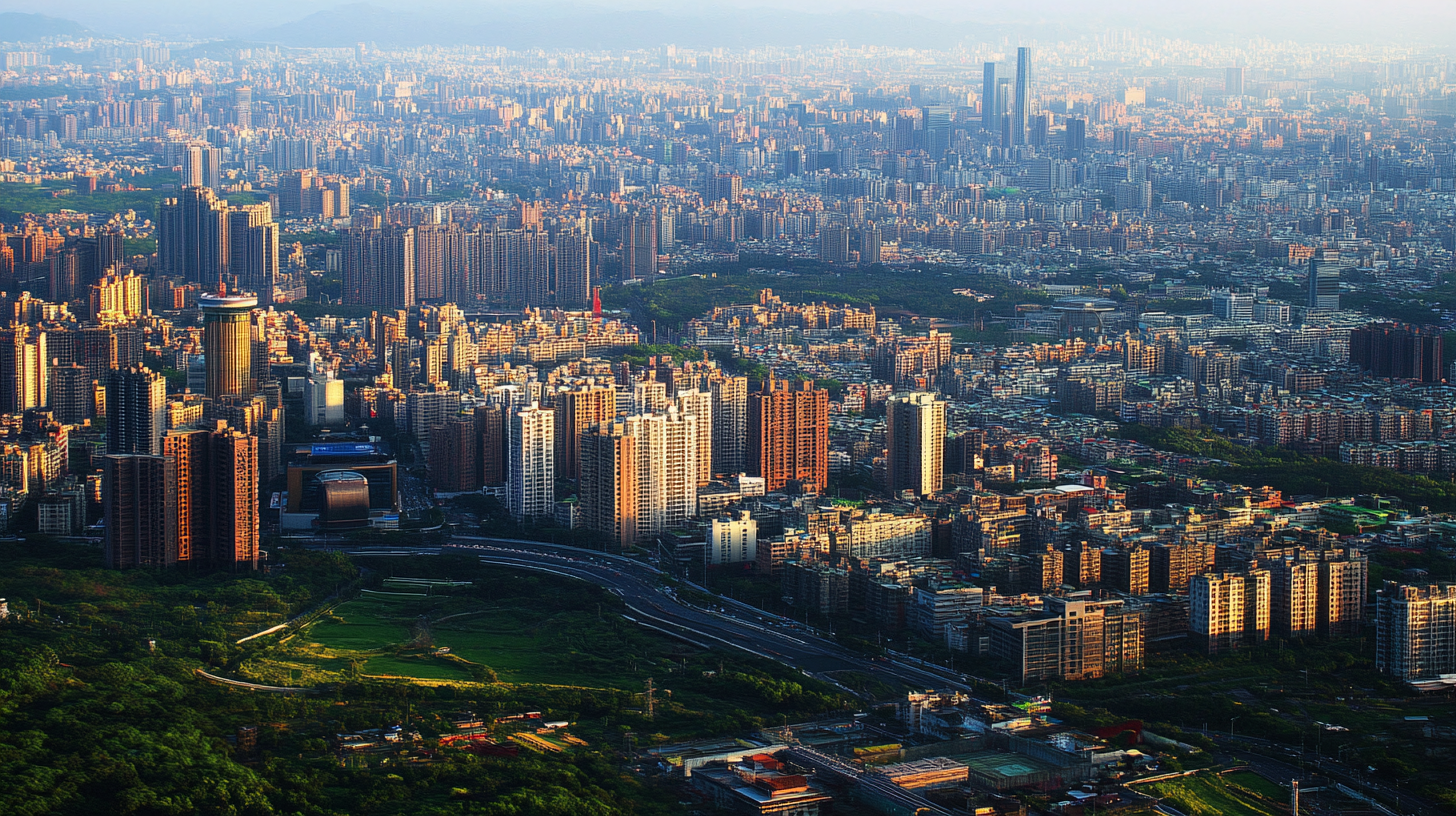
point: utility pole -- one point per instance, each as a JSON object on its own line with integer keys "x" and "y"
{"x": 649, "y": 702}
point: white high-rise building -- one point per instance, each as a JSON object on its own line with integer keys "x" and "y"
{"x": 915, "y": 434}
{"x": 533, "y": 462}
{"x": 667, "y": 470}
{"x": 700, "y": 404}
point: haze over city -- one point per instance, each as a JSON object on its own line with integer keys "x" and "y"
{"x": 638, "y": 409}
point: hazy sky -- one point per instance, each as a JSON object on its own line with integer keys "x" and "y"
{"x": 1424, "y": 20}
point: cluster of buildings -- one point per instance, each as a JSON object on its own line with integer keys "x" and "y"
{"x": 1171, "y": 253}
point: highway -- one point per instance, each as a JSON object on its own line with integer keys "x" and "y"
{"x": 733, "y": 625}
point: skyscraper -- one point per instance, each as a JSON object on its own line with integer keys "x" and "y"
{"x": 1233, "y": 80}
{"x": 227, "y": 337}
{"x": 192, "y": 235}
{"x": 1076, "y": 136}
{"x": 990, "y": 118}
{"x": 639, "y": 247}
{"x": 136, "y": 409}
{"x": 834, "y": 244}
{"x": 788, "y": 435}
{"x": 1324, "y": 280}
{"x": 915, "y": 432}
{"x": 573, "y": 269}
{"x": 936, "y": 123}
{"x": 1021, "y": 114}
{"x": 253, "y": 248}
{"x": 532, "y": 463}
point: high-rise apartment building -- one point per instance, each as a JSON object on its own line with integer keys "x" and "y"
{"x": 1228, "y": 610}
{"x": 788, "y": 435}
{"x": 72, "y": 394}
{"x": 118, "y": 298}
{"x": 1233, "y": 80}
{"x": 639, "y": 247}
{"x": 1316, "y": 591}
{"x": 699, "y": 404}
{"x": 1398, "y": 351}
{"x": 577, "y": 409}
{"x": 834, "y": 244}
{"x": 379, "y": 266}
{"x": 730, "y": 423}
{"x": 234, "y": 483}
{"x": 1127, "y": 569}
{"x": 573, "y": 279}
{"x": 136, "y": 408}
{"x": 192, "y": 235}
{"x": 227, "y": 338}
{"x": 915, "y": 437}
{"x": 217, "y": 496}
{"x": 667, "y": 470}
{"x": 532, "y": 463}
{"x": 1415, "y": 631}
{"x": 24, "y": 362}
{"x": 608, "y": 490}
{"x": 139, "y": 499}
{"x": 490, "y": 432}
{"x": 870, "y": 241}
{"x": 452, "y": 456}
{"x": 1172, "y": 566}
{"x": 253, "y": 248}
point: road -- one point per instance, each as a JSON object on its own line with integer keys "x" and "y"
{"x": 737, "y": 626}
{"x": 243, "y": 684}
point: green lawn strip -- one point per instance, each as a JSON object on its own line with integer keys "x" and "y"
{"x": 422, "y": 668}
{"x": 1256, "y": 784}
{"x": 1207, "y": 795}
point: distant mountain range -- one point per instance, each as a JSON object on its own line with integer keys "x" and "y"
{"x": 576, "y": 24}
{"x": 526, "y": 26}
{"x": 18, "y": 27}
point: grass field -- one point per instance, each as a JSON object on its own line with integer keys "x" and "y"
{"x": 422, "y": 668}
{"x": 522, "y": 643}
{"x": 1206, "y": 794}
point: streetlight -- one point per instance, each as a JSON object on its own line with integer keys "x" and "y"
{"x": 1231, "y": 724}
